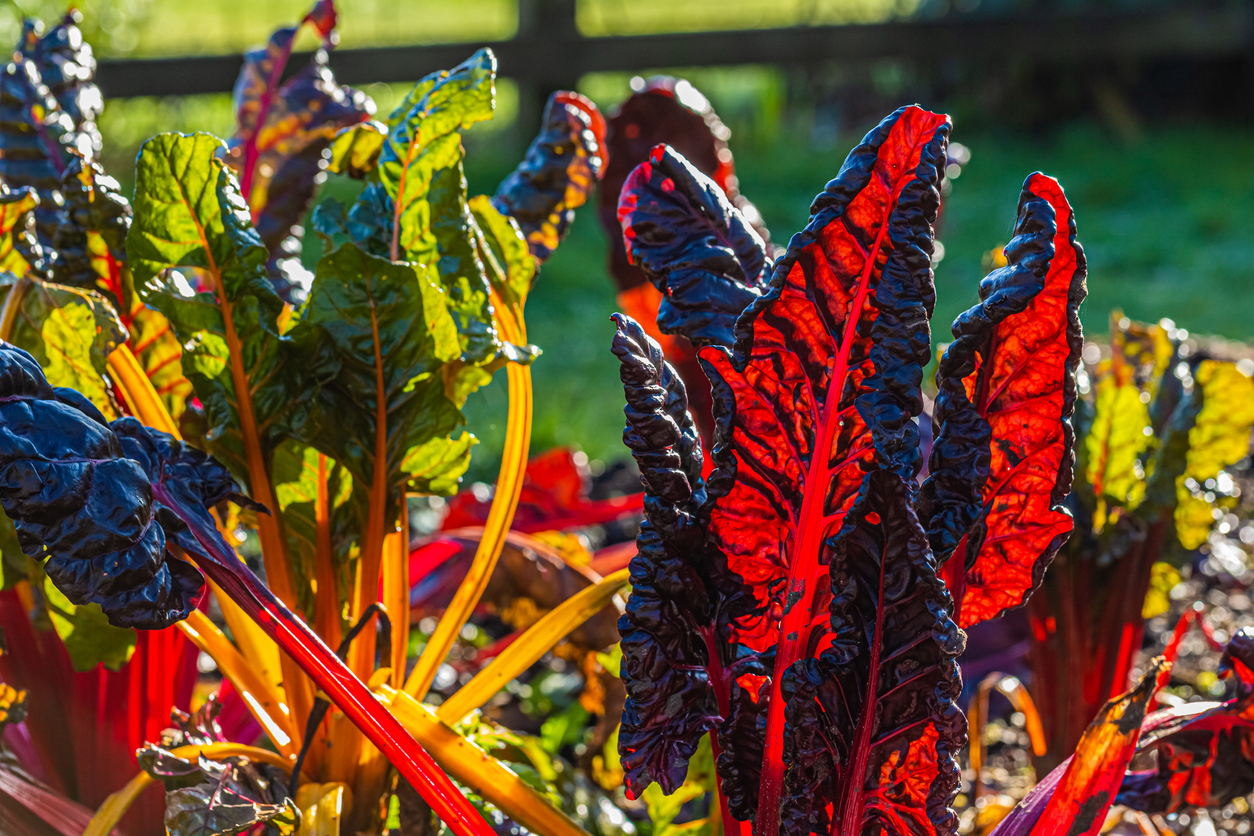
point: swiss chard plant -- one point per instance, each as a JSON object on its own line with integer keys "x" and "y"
{"x": 143, "y": 341}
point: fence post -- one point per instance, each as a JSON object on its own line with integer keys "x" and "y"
{"x": 543, "y": 20}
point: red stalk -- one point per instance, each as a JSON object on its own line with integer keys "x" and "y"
{"x": 332, "y": 676}
{"x": 722, "y": 694}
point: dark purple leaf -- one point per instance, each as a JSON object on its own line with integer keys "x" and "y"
{"x": 68, "y": 67}
{"x": 696, "y": 247}
{"x": 671, "y": 701}
{"x": 556, "y": 176}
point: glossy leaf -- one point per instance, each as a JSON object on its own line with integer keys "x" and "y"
{"x": 873, "y": 723}
{"x": 664, "y": 807}
{"x": 556, "y": 176}
{"x": 85, "y": 631}
{"x": 17, "y": 228}
{"x": 515, "y": 268}
{"x": 77, "y": 499}
{"x": 1219, "y": 438}
{"x": 671, "y": 701}
{"x": 188, "y": 213}
{"x": 1198, "y": 754}
{"x": 1002, "y": 462}
{"x": 281, "y": 133}
{"x": 671, "y": 111}
{"x": 68, "y": 68}
{"x": 32, "y": 127}
{"x": 822, "y": 388}
{"x": 388, "y": 396}
{"x": 694, "y": 245}
{"x": 70, "y": 333}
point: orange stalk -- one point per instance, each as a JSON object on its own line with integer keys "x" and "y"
{"x": 396, "y": 595}
{"x": 327, "y": 599}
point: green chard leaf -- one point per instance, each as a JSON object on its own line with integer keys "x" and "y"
{"x": 511, "y": 266}
{"x": 355, "y": 150}
{"x": 189, "y": 214}
{"x": 17, "y": 228}
{"x": 85, "y": 631}
{"x": 13, "y": 562}
{"x": 70, "y": 332}
{"x": 391, "y": 338}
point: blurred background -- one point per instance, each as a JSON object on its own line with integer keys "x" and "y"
{"x": 1142, "y": 108}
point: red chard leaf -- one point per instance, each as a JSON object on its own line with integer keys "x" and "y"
{"x": 822, "y": 388}
{"x": 1199, "y": 754}
{"x": 556, "y": 176}
{"x": 282, "y": 132}
{"x": 873, "y": 726}
{"x": 696, "y": 247}
{"x": 1002, "y": 462}
{"x": 671, "y": 700}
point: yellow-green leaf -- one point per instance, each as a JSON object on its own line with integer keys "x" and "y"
{"x": 15, "y": 220}
{"x": 1117, "y": 441}
{"x": 70, "y": 332}
{"x": 1163, "y": 579}
{"x": 85, "y": 631}
{"x": 355, "y": 150}
{"x": 1220, "y": 437}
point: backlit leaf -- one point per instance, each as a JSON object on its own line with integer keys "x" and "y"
{"x": 85, "y": 631}
{"x": 556, "y": 177}
{"x": 1219, "y": 438}
{"x": 516, "y": 267}
{"x": 17, "y": 228}
{"x": 697, "y": 248}
{"x": 1002, "y": 463}
{"x": 355, "y": 151}
{"x": 71, "y": 333}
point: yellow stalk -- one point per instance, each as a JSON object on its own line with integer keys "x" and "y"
{"x": 473, "y": 767}
{"x": 977, "y": 712}
{"x": 323, "y": 808}
{"x": 264, "y": 702}
{"x": 116, "y": 805}
{"x": 138, "y": 392}
{"x": 530, "y": 646}
{"x": 500, "y": 517}
{"x": 12, "y": 304}
{"x": 396, "y": 594}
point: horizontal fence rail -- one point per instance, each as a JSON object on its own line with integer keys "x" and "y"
{"x": 556, "y": 56}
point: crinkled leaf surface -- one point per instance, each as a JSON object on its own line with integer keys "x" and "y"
{"x": 355, "y": 150}
{"x": 671, "y": 701}
{"x": 188, "y": 213}
{"x": 375, "y": 316}
{"x": 556, "y": 176}
{"x": 70, "y": 332}
{"x": 514, "y": 270}
{"x": 1002, "y": 462}
{"x": 78, "y": 500}
{"x": 1116, "y": 441}
{"x": 822, "y": 388}
{"x": 694, "y": 245}
{"x": 68, "y": 68}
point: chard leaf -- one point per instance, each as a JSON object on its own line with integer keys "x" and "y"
{"x": 17, "y": 229}
{"x": 665, "y": 807}
{"x": 67, "y": 66}
{"x": 31, "y": 149}
{"x": 1219, "y": 438}
{"x": 556, "y": 176}
{"x": 85, "y": 631}
{"x": 1003, "y": 459}
{"x": 1117, "y": 441}
{"x": 698, "y": 249}
{"x": 512, "y": 268}
{"x": 436, "y": 467}
{"x": 224, "y": 807}
{"x": 79, "y": 501}
{"x": 423, "y": 140}
{"x": 281, "y": 134}
{"x": 1197, "y": 754}
{"x": 355, "y": 150}
{"x": 873, "y": 723}
{"x": 820, "y": 394}
{"x": 91, "y": 254}
{"x": 189, "y": 214}
{"x": 672, "y": 701}
{"x": 70, "y": 332}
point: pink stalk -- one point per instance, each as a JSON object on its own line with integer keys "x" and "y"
{"x": 332, "y": 676}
